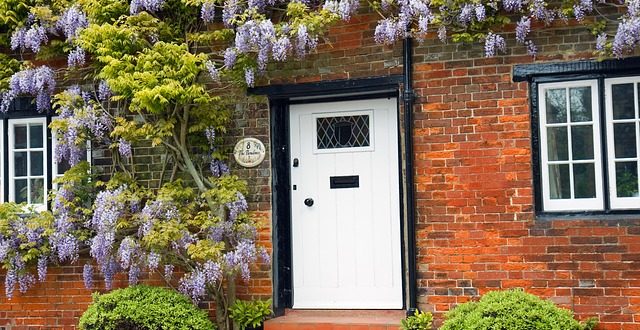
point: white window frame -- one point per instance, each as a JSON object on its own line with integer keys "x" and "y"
{"x": 54, "y": 162}
{"x": 11, "y": 177}
{"x": 620, "y": 203}
{"x": 570, "y": 204}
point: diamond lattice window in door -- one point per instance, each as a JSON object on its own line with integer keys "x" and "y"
{"x": 343, "y": 132}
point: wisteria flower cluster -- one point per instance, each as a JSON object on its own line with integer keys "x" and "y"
{"x": 137, "y": 6}
{"x": 71, "y": 22}
{"x": 22, "y": 238}
{"x": 29, "y": 38}
{"x": 81, "y": 119}
{"x": 38, "y": 82}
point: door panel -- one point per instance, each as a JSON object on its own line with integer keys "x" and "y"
{"x": 346, "y": 245}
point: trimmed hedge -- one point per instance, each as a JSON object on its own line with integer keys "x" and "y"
{"x": 512, "y": 310}
{"x": 143, "y": 307}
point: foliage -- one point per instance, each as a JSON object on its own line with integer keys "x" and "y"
{"x": 250, "y": 313}
{"x": 143, "y": 307}
{"x": 418, "y": 321}
{"x": 8, "y": 66}
{"x": 512, "y": 309}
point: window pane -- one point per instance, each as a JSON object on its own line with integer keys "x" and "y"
{"x": 557, "y": 143}
{"x": 20, "y": 137}
{"x": 63, "y": 166}
{"x": 37, "y": 191}
{"x": 559, "y": 181}
{"x": 584, "y": 180}
{"x": 622, "y": 97}
{"x": 580, "y": 102}
{"x": 20, "y": 163}
{"x": 37, "y": 165}
{"x": 582, "y": 142}
{"x": 20, "y": 186}
{"x": 624, "y": 136}
{"x": 35, "y": 133}
{"x": 627, "y": 179}
{"x": 556, "y": 100}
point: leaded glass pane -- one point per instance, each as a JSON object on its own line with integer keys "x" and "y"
{"x": 343, "y": 132}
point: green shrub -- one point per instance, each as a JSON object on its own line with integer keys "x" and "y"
{"x": 250, "y": 313}
{"x": 143, "y": 308}
{"x": 512, "y": 310}
{"x": 417, "y": 321}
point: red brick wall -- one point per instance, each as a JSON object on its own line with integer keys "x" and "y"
{"x": 473, "y": 178}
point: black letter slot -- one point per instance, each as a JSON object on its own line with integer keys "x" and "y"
{"x": 348, "y": 181}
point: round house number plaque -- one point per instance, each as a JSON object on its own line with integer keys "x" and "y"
{"x": 249, "y": 152}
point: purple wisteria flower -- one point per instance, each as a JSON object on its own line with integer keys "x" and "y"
{"x": 42, "y": 268}
{"x": 71, "y": 22}
{"x": 237, "y": 207}
{"x": 32, "y": 38}
{"x": 214, "y": 73}
{"x": 601, "y": 41}
{"x": 168, "y": 271}
{"x": 249, "y": 76}
{"x": 512, "y": 5}
{"x": 87, "y": 276}
{"x": 494, "y": 43}
{"x": 38, "y": 82}
{"x": 124, "y": 148}
{"x": 627, "y": 36}
{"x": 466, "y": 14}
{"x": 153, "y": 260}
{"x": 210, "y": 134}
{"x": 153, "y": 6}
{"x": 76, "y": 58}
{"x": 230, "y": 56}
{"x": 522, "y": 29}
{"x": 104, "y": 92}
{"x": 208, "y": 11}
{"x": 229, "y": 12}
{"x": 343, "y": 8}
{"x": 388, "y": 31}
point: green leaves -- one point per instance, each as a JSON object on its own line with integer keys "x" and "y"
{"x": 512, "y": 309}
{"x": 144, "y": 307}
{"x": 250, "y": 313}
{"x": 418, "y": 321}
{"x": 8, "y": 66}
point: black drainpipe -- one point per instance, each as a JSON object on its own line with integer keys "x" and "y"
{"x": 408, "y": 97}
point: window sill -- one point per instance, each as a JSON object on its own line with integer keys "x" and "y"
{"x": 625, "y": 218}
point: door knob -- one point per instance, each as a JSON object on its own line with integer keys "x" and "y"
{"x": 308, "y": 202}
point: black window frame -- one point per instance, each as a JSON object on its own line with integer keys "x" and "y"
{"x": 23, "y": 107}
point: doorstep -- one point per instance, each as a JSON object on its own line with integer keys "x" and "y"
{"x": 337, "y": 320}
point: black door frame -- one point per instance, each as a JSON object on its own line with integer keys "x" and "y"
{"x": 280, "y": 98}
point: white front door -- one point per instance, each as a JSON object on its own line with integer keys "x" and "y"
{"x": 345, "y": 205}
